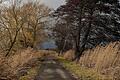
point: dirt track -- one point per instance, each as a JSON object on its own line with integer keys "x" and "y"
{"x": 52, "y": 70}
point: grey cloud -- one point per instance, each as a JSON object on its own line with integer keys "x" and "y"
{"x": 53, "y": 3}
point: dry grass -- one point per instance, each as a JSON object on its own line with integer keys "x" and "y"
{"x": 31, "y": 74}
{"x": 81, "y": 73}
{"x": 22, "y": 60}
{"x": 104, "y": 60}
{"x": 69, "y": 55}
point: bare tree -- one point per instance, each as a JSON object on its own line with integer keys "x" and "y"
{"x": 22, "y": 25}
{"x": 36, "y": 17}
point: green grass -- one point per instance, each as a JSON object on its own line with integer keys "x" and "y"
{"x": 30, "y": 74}
{"x": 82, "y": 72}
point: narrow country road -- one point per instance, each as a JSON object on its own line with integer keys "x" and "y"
{"x": 52, "y": 70}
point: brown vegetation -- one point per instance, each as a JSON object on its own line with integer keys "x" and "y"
{"x": 22, "y": 25}
{"x": 69, "y": 55}
{"x": 105, "y": 60}
{"x": 11, "y": 67}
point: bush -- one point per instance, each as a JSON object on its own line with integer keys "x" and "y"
{"x": 69, "y": 55}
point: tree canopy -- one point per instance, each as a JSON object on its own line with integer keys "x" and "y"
{"x": 88, "y": 22}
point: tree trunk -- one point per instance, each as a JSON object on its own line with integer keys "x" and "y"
{"x": 13, "y": 42}
{"x": 77, "y": 49}
{"x": 79, "y": 53}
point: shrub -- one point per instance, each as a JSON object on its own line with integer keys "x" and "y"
{"x": 69, "y": 55}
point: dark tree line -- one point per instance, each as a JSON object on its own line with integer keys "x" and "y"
{"x": 83, "y": 24}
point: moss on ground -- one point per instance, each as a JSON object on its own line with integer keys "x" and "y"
{"x": 82, "y": 72}
{"x": 31, "y": 74}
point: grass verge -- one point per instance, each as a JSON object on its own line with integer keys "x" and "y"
{"x": 31, "y": 74}
{"x": 82, "y": 73}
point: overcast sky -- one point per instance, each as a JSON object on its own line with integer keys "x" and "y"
{"x": 50, "y": 3}
{"x": 53, "y": 3}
